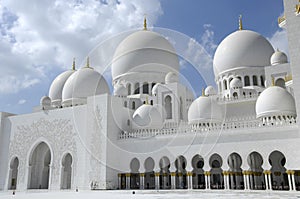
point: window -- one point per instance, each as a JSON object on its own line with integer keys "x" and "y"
{"x": 262, "y": 81}
{"x": 129, "y": 89}
{"x": 168, "y": 106}
{"x": 254, "y": 80}
{"x": 136, "y": 88}
{"x": 247, "y": 81}
{"x": 145, "y": 88}
{"x": 133, "y": 105}
{"x": 225, "y": 84}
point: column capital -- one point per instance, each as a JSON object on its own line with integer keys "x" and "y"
{"x": 142, "y": 174}
{"x": 290, "y": 172}
{"x": 189, "y": 173}
{"x": 119, "y": 174}
{"x": 225, "y": 173}
{"x": 245, "y": 172}
{"x": 157, "y": 174}
{"x": 173, "y": 173}
{"x": 267, "y": 172}
{"x": 207, "y": 173}
{"x": 127, "y": 174}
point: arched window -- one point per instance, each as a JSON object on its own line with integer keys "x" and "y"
{"x": 66, "y": 172}
{"x": 13, "y": 173}
{"x": 133, "y": 105}
{"x": 262, "y": 81}
{"x": 136, "y": 88}
{"x": 181, "y": 109}
{"x": 235, "y": 95}
{"x": 145, "y": 88}
{"x": 125, "y": 104}
{"x": 129, "y": 89}
{"x": 151, "y": 102}
{"x": 225, "y": 84}
{"x": 168, "y": 106}
{"x": 280, "y": 82}
{"x": 247, "y": 81}
{"x": 255, "y": 80}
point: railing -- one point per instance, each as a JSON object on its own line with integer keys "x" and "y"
{"x": 184, "y": 128}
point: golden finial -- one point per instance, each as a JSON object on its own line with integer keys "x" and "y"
{"x": 73, "y": 65}
{"x": 145, "y": 23}
{"x": 147, "y": 103}
{"x": 203, "y": 93}
{"x": 273, "y": 81}
{"x": 87, "y": 62}
{"x": 240, "y": 23}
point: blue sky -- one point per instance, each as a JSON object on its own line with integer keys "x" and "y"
{"x": 40, "y": 38}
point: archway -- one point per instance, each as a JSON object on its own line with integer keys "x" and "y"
{"x": 39, "y": 170}
{"x": 198, "y": 172}
{"x": 236, "y": 180}
{"x": 216, "y": 177}
{"x": 247, "y": 81}
{"x": 181, "y": 174}
{"x": 280, "y": 82}
{"x": 164, "y": 177}
{"x": 256, "y": 177}
{"x": 149, "y": 181}
{"x": 13, "y": 173}
{"x": 279, "y": 177}
{"x": 135, "y": 176}
{"x": 66, "y": 172}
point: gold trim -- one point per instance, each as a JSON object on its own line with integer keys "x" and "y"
{"x": 173, "y": 173}
{"x": 240, "y": 23}
{"x": 145, "y": 23}
{"x": 73, "y": 64}
{"x": 127, "y": 174}
{"x": 297, "y": 8}
{"x": 142, "y": 174}
{"x": 157, "y": 174}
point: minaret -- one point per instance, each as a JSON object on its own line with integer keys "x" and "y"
{"x": 292, "y": 28}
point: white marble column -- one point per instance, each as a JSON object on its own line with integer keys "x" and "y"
{"x": 127, "y": 180}
{"x": 173, "y": 180}
{"x": 142, "y": 180}
{"x": 225, "y": 176}
{"x": 269, "y": 180}
{"x": 266, "y": 180}
{"x": 190, "y": 180}
{"x": 157, "y": 180}
{"x": 245, "y": 180}
{"x": 293, "y": 180}
{"x": 207, "y": 179}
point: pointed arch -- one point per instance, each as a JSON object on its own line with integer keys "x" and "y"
{"x": 66, "y": 171}
{"x": 13, "y": 173}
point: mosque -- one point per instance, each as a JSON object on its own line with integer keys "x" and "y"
{"x": 151, "y": 133}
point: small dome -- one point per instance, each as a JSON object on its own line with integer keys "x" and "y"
{"x": 82, "y": 84}
{"x": 55, "y": 91}
{"x": 155, "y": 88}
{"x": 45, "y": 102}
{"x": 275, "y": 101}
{"x": 205, "y": 109}
{"x": 243, "y": 48}
{"x": 120, "y": 90}
{"x": 278, "y": 57}
{"x": 147, "y": 116}
{"x": 236, "y": 83}
{"x": 210, "y": 90}
{"x": 144, "y": 51}
{"x": 171, "y": 78}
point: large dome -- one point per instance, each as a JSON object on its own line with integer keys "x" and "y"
{"x": 144, "y": 51}
{"x": 82, "y": 84}
{"x": 205, "y": 109}
{"x": 275, "y": 101}
{"x": 55, "y": 91}
{"x": 243, "y": 48}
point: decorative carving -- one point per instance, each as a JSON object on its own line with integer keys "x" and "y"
{"x": 96, "y": 148}
{"x": 58, "y": 133}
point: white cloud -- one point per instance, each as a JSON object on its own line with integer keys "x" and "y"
{"x": 279, "y": 40}
{"x": 22, "y": 101}
{"x": 38, "y": 37}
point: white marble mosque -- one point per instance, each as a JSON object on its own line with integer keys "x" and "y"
{"x": 151, "y": 133}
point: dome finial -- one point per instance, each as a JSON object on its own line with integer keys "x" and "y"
{"x": 240, "y": 23}
{"x": 203, "y": 93}
{"x": 73, "y": 64}
{"x": 87, "y": 62}
{"x": 145, "y": 22}
{"x": 147, "y": 103}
